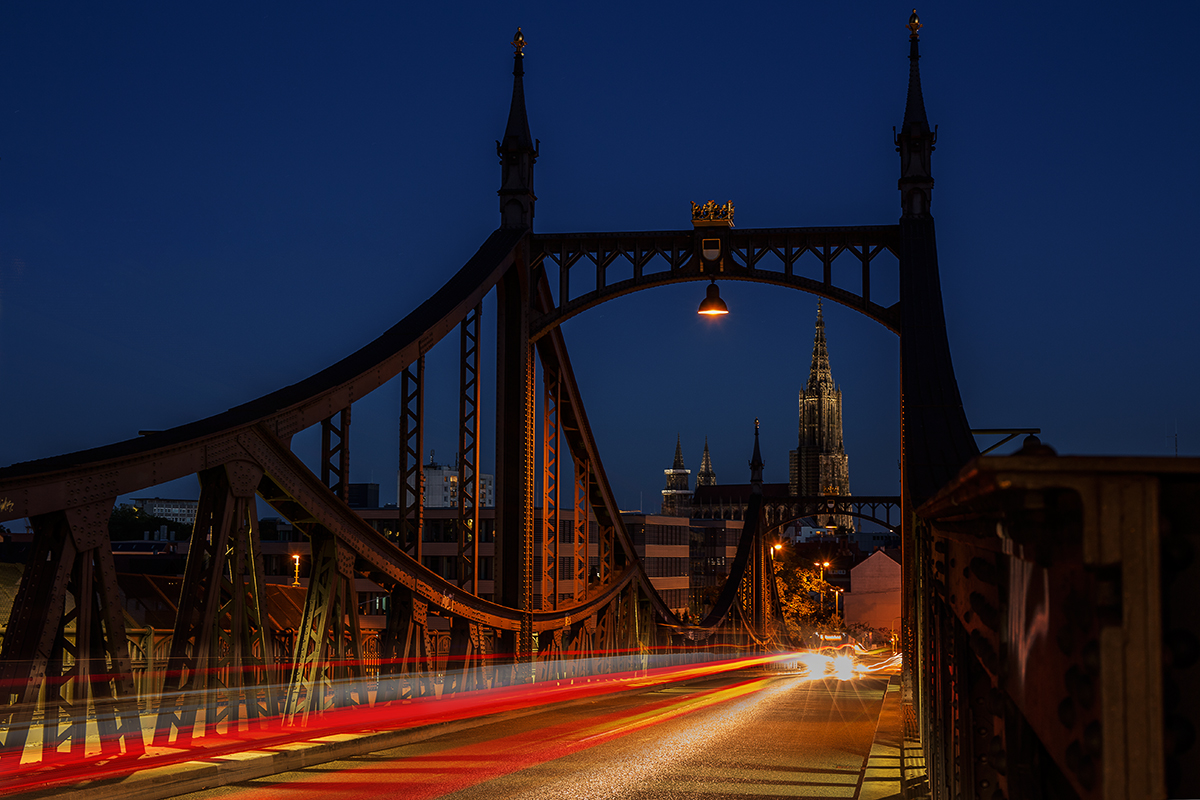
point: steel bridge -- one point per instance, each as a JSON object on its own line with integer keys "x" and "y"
{"x": 1040, "y": 593}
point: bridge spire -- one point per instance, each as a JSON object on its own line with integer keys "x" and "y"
{"x": 915, "y": 140}
{"x": 914, "y": 108}
{"x": 756, "y": 465}
{"x": 518, "y": 152}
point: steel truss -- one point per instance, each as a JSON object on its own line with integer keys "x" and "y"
{"x": 412, "y": 449}
{"x": 658, "y": 258}
{"x": 779, "y": 511}
{"x": 219, "y": 647}
{"x": 335, "y": 453}
{"x": 551, "y": 473}
{"x": 76, "y": 659}
{"x": 468, "y": 452}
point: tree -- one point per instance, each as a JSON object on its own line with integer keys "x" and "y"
{"x": 129, "y": 523}
{"x": 800, "y": 591}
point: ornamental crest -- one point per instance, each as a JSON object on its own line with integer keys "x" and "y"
{"x": 712, "y": 214}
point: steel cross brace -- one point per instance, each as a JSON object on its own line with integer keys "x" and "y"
{"x": 468, "y": 452}
{"x": 71, "y": 554}
{"x": 223, "y": 584}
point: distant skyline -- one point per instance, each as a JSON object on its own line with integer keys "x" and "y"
{"x": 199, "y": 206}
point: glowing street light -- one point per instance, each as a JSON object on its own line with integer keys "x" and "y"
{"x": 824, "y": 565}
{"x": 712, "y": 305}
{"x": 296, "y": 579}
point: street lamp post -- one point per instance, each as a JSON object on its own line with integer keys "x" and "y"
{"x": 824, "y": 565}
{"x": 296, "y": 578}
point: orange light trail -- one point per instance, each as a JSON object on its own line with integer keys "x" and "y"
{"x": 64, "y": 768}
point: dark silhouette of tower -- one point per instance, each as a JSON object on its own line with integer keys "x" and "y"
{"x": 677, "y": 497}
{"x": 518, "y": 152}
{"x": 819, "y": 465}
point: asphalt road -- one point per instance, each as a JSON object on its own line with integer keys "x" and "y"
{"x": 738, "y": 735}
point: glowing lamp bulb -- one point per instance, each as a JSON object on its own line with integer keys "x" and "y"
{"x": 712, "y": 304}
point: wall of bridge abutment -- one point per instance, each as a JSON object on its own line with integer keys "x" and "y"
{"x": 1057, "y": 650}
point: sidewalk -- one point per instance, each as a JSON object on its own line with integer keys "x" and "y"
{"x": 881, "y": 779}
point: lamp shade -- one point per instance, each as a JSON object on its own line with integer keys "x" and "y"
{"x": 712, "y": 304}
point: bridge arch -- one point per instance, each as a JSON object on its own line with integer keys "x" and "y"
{"x": 687, "y": 257}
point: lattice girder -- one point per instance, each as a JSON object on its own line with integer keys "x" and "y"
{"x": 88, "y": 672}
{"x": 220, "y": 626}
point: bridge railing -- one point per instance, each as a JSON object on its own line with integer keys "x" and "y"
{"x": 1058, "y": 644}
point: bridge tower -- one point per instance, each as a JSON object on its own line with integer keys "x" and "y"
{"x": 935, "y": 437}
{"x": 515, "y": 373}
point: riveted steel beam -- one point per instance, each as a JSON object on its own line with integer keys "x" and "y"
{"x": 412, "y": 447}
{"x": 551, "y": 473}
{"x": 77, "y": 659}
{"x": 468, "y": 452}
{"x": 335, "y": 453}
{"x": 220, "y": 654}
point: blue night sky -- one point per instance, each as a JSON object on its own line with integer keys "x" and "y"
{"x": 199, "y": 206}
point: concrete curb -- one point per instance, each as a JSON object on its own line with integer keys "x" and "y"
{"x": 881, "y": 775}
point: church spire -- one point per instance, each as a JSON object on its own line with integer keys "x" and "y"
{"x": 915, "y": 141}
{"x": 706, "y": 476}
{"x": 518, "y": 152}
{"x": 756, "y": 465}
{"x": 678, "y": 453}
{"x": 819, "y": 372}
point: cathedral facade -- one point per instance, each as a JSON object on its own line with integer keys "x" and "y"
{"x": 819, "y": 465}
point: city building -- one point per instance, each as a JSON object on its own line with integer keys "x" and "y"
{"x": 712, "y": 548}
{"x": 441, "y": 486}
{"x": 663, "y": 544}
{"x": 181, "y": 511}
{"x": 363, "y": 495}
{"x": 819, "y": 465}
{"x": 874, "y": 596}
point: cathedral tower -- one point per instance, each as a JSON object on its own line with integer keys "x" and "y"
{"x": 819, "y": 465}
{"x": 706, "y": 476}
{"x": 677, "y": 497}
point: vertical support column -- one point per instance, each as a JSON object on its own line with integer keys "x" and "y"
{"x": 335, "y": 453}
{"x": 515, "y": 454}
{"x": 241, "y": 657}
{"x": 211, "y": 664}
{"x": 404, "y": 664}
{"x": 606, "y": 549}
{"x": 468, "y": 452}
{"x": 551, "y": 472}
{"x": 580, "y": 571}
{"x": 326, "y": 673}
{"x": 71, "y": 554}
{"x": 411, "y": 488}
{"x": 866, "y": 255}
